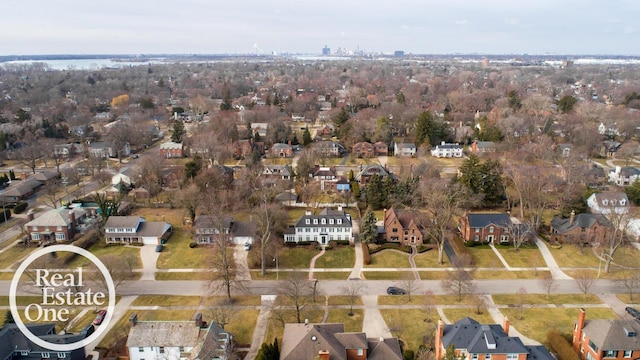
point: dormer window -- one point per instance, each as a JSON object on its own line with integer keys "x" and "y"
{"x": 605, "y": 202}
{"x": 324, "y": 221}
{"x": 307, "y": 221}
{"x": 330, "y": 221}
{"x": 315, "y": 221}
{"x": 613, "y": 202}
{"x": 491, "y": 229}
{"x": 623, "y": 202}
{"x": 339, "y": 221}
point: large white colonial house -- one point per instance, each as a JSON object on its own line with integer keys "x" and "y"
{"x": 328, "y": 225}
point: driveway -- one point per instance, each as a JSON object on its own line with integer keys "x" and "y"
{"x": 373, "y": 323}
{"x": 242, "y": 267}
{"x": 149, "y": 258}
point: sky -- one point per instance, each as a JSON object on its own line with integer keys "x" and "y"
{"x": 608, "y": 27}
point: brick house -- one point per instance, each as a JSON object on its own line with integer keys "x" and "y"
{"x": 606, "y": 338}
{"x": 172, "y": 149}
{"x": 481, "y": 147}
{"x": 401, "y": 226}
{"x": 282, "y": 150}
{"x": 54, "y": 225}
{"x": 485, "y": 227}
{"x": 363, "y": 150}
{"x": 485, "y": 342}
{"x": 380, "y": 148}
{"x": 368, "y": 171}
{"x": 581, "y": 228}
{"x": 330, "y": 341}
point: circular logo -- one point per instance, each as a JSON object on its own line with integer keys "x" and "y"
{"x": 55, "y": 279}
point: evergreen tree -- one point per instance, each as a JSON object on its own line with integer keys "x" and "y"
{"x": 483, "y": 178}
{"x": 178, "y": 132}
{"x": 193, "y": 167}
{"x": 400, "y": 97}
{"x": 368, "y": 228}
{"x": 633, "y": 192}
{"x": 269, "y": 351}
{"x": 340, "y": 123}
{"x": 226, "y": 99}
{"x": 306, "y": 137}
{"x": 566, "y": 103}
{"x": 8, "y": 318}
{"x": 514, "y": 100}
{"x": 375, "y": 192}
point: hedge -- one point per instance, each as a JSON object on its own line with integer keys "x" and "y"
{"x": 20, "y": 207}
{"x": 561, "y": 346}
{"x": 85, "y": 242}
{"x": 6, "y": 216}
{"x": 394, "y": 246}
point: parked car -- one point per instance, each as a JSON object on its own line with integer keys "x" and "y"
{"x": 392, "y": 290}
{"x": 159, "y": 248}
{"x": 247, "y": 246}
{"x": 633, "y": 312}
{"x": 100, "y": 317}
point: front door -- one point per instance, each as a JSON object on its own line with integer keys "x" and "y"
{"x": 323, "y": 240}
{"x": 490, "y": 239}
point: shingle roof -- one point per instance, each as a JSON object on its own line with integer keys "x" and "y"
{"x": 164, "y": 333}
{"x": 386, "y": 349}
{"x": 609, "y": 334}
{"x": 327, "y": 214}
{"x": 370, "y": 170}
{"x": 153, "y": 228}
{"x": 481, "y": 220}
{"x": 302, "y": 341}
{"x": 123, "y": 222}
{"x": 583, "y": 221}
{"x": 211, "y": 222}
{"x": 475, "y": 338}
{"x": 56, "y": 217}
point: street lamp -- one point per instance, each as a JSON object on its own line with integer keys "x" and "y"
{"x": 277, "y": 269}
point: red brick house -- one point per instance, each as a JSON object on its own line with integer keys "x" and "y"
{"x": 606, "y": 338}
{"x": 54, "y": 225}
{"x": 485, "y": 227}
{"x": 581, "y": 228}
{"x": 282, "y": 150}
{"x": 401, "y": 226}
{"x": 171, "y": 149}
{"x": 363, "y": 150}
{"x": 380, "y": 149}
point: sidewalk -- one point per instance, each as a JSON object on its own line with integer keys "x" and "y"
{"x": 498, "y": 318}
{"x": 266, "y": 303}
{"x": 356, "y": 273}
{"x": 555, "y": 270}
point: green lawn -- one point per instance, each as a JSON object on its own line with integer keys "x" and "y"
{"x": 172, "y": 216}
{"x": 537, "y": 322}
{"x": 351, "y": 323}
{"x": 506, "y": 274}
{"x": 410, "y": 328}
{"x": 344, "y": 300}
{"x": 295, "y": 257}
{"x": 341, "y": 257}
{"x": 236, "y": 300}
{"x": 196, "y": 275}
{"x": 14, "y": 254}
{"x": 456, "y": 314}
{"x": 430, "y": 259}
{"x": 537, "y": 299}
{"x": 178, "y": 255}
{"x": 572, "y": 256}
{"x": 162, "y": 300}
{"x": 389, "y": 259}
{"x": 21, "y": 300}
{"x": 241, "y": 325}
{"x": 420, "y": 299}
{"x": 527, "y": 256}
{"x": 87, "y": 319}
{"x": 386, "y": 275}
{"x": 100, "y": 249}
{"x": 483, "y": 256}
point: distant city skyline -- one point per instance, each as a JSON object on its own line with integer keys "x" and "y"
{"x": 288, "y": 26}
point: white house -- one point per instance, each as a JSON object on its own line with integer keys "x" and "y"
{"x": 193, "y": 339}
{"x": 328, "y": 225}
{"x": 623, "y": 176}
{"x": 608, "y": 202}
{"x": 447, "y": 150}
{"x": 404, "y": 149}
{"x": 134, "y": 229}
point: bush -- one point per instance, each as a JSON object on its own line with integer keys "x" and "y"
{"x": 366, "y": 255}
{"x": 85, "y": 241}
{"x": 424, "y": 248}
{"x": 20, "y": 207}
{"x": 561, "y": 346}
{"x": 192, "y": 245}
{"x": 7, "y": 215}
{"x": 408, "y": 354}
{"x": 339, "y": 242}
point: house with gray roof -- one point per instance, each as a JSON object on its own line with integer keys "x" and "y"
{"x": 57, "y": 225}
{"x": 481, "y": 147}
{"x": 582, "y": 228}
{"x": 134, "y": 229}
{"x": 367, "y": 171}
{"x": 485, "y": 341}
{"x": 15, "y": 345}
{"x": 624, "y": 176}
{"x": 485, "y": 227}
{"x": 447, "y": 150}
{"x": 606, "y": 338}
{"x": 405, "y": 149}
{"x": 328, "y": 225}
{"x": 192, "y": 339}
{"x": 608, "y": 203}
{"x": 330, "y": 341}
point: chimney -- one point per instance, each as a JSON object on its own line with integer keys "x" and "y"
{"x": 323, "y": 355}
{"x": 442, "y": 143}
{"x": 572, "y": 218}
{"x": 72, "y": 218}
{"x": 30, "y": 215}
{"x": 438, "y": 343}
{"x": 306, "y": 321}
{"x": 577, "y": 331}
{"x": 198, "y": 321}
{"x": 505, "y": 325}
{"x": 307, "y": 212}
{"x": 133, "y": 319}
{"x": 339, "y": 207}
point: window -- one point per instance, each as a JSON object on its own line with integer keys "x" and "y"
{"x": 324, "y": 221}
{"x": 512, "y": 356}
{"x": 593, "y": 346}
{"x": 34, "y": 228}
{"x": 476, "y": 238}
{"x": 140, "y": 349}
{"x": 307, "y": 221}
{"x": 315, "y": 221}
{"x": 590, "y": 356}
{"x": 491, "y": 229}
{"x": 46, "y": 355}
{"x": 395, "y": 230}
{"x": 62, "y": 355}
{"x": 161, "y": 349}
{"x": 339, "y": 221}
{"x": 622, "y": 202}
{"x": 35, "y": 236}
{"x": 487, "y": 356}
{"x": 610, "y": 353}
{"x": 60, "y": 236}
{"x": 360, "y": 351}
{"x": 59, "y": 228}
{"x": 24, "y": 353}
{"x": 474, "y": 357}
{"x": 476, "y": 229}
{"x": 628, "y": 353}
{"x": 330, "y": 221}
{"x": 181, "y": 348}
{"x": 605, "y": 202}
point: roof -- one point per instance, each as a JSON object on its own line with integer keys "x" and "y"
{"x": 370, "y": 170}
{"x": 153, "y": 228}
{"x": 170, "y": 145}
{"x": 449, "y": 146}
{"x": 282, "y": 146}
{"x": 326, "y": 213}
{"x": 211, "y": 222}
{"x": 485, "y": 144}
{"x": 21, "y": 188}
{"x": 406, "y": 145}
{"x": 477, "y": 338}
{"x": 101, "y": 144}
{"x": 164, "y": 333}
{"x": 609, "y": 199}
{"x": 123, "y": 221}
{"x": 280, "y": 170}
{"x": 12, "y": 339}
{"x": 384, "y": 349}
{"x": 300, "y": 341}
{"x": 609, "y": 334}
{"x": 45, "y": 175}
{"x": 582, "y": 221}
{"x": 56, "y": 217}
{"x": 481, "y": 220}
{"x": 405, "y": 217}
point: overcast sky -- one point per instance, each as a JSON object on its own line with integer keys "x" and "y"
{"x": 305, "y": 26}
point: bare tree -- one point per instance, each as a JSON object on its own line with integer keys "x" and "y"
{"x": 520, "y": 233}
{"x": 585, "y": 280}
{"x": 297, "y": 290}
{"x": 120, "y": 267}
{"x": 50, "y": 192}
{"x": 30, "y": 154}
{"x": 190, "y": 198}
{"x": 631, "y": 281}
{"x": 442, "y": 202}
{"x": 479, "y": 303}
{"x": 410, "y": 285}
{"x": 548, "y": 283}
{"x": 428, "y": 305}
{"x": 352, "y": 291}
{"x": 459, "y": 281}
{"x": 149, "y": 173}
{"x": 522, "y": 296}
{"x": 222, "y": 313}
{"x": 619, "y": 218}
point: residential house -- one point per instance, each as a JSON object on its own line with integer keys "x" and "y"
{"x": 608, "y": 203}
{"x": 608, "y": 130}
{"x": 67, "y": 150}
{"x": 282, "y": 150}
{"x": 274, "y": 174}
{"x": 447, "y": 150}
{"x": 106, "y": 149}
{"x": 325, "y": 132}
{"x": 171, "y": 149}
{"x": 46, "y": 176}
{"x": 404, "y": 149}
{"x": 476, "y": 341}
{"x": 57, "y": 225}
{"x": 624, "y": 176}
{"x": 135, "y": 230}
{"x": 367, "y": 171}
{"x": 564, "y": 150}
{"x": 582, "y": 228}
{"x": 402, "y": 226}
{"x": 193, "y": 339}
{"x": 363, "y": 150}
{"x": 322, "y": 173}
{"x": 330, "y": 341}
{"x": 328, "y": 225}
{"x": 610, "y": 148}
{"x": 595, "y": 177}
{"x": 606, "y": 338}
{"x": 343, "y": 184}
{"x": 330, "y": 148}
{"x": 20, "y": 190}
{"x": 481, "y": 147}
{"x": 211, "y": 230}
{"x": 485, "y": 227}
{"x": 243, "y": 149}
{"x": 260, "y": 129}
{"x": 15, "y": 345}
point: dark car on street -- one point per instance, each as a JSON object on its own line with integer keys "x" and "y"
{"x": 392, "y": 290}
